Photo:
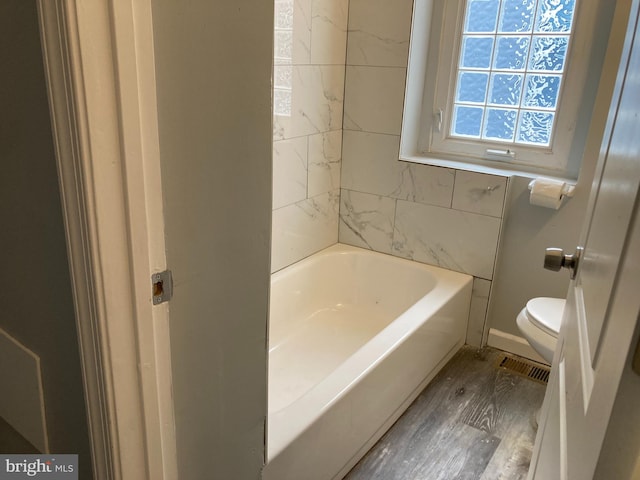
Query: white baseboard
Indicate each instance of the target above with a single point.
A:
(22, 401)
(513, 344)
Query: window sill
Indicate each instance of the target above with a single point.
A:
(487, 167)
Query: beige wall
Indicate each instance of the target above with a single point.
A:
(213, 68)
(36, 305)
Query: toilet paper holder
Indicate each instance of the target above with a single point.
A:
(567, 189)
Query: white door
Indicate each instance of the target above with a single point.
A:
(604, 299)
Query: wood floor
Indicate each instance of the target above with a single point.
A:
(473, 422)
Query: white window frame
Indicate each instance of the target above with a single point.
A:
(431, 78)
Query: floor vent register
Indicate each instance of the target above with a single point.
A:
(526, 368)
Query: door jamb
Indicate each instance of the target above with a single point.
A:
(100, 74)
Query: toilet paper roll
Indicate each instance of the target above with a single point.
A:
(547, 192)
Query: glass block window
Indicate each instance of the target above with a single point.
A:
(510, 70)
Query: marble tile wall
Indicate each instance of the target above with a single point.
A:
(441, 216)
(341, 64)
(309, 74)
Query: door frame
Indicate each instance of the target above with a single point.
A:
(99, 66)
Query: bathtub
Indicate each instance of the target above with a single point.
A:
(354, 337)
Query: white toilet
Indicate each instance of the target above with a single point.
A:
(539, 323)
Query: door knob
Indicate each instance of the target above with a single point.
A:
(555, 259)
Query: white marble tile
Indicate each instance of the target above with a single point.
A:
(292, 32)
(428, 184)
(329, 31)
(379, 32)
(478, 312)
(289, 171)
(366, 220)
(316, 100)
(479, 193)
(461, 241)
(304, 228)
(374, 99)
(371, 165)
(325, 151)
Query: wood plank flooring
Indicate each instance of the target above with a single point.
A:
(472, 422)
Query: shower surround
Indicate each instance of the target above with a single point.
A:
(309, 72)
(347, 185)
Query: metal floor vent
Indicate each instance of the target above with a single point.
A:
(534, 371)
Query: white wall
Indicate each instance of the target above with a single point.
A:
(309, 56)
(36, 305)
(213, 67)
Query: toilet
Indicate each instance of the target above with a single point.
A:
(539, 321)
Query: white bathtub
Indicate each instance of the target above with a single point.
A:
(354, 337)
